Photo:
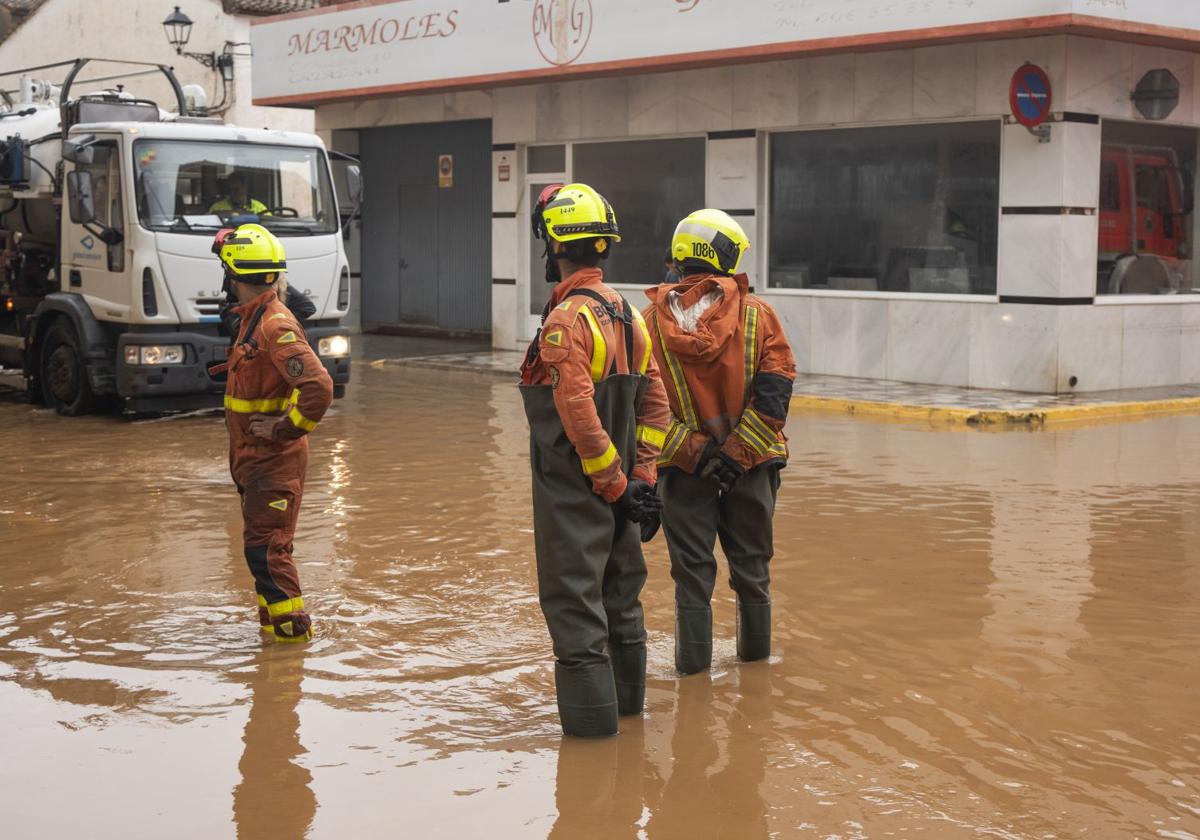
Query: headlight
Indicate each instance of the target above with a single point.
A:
(154, 354)
(334, 345)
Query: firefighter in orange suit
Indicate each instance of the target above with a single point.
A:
(728, 371)
(597, 416)
(276, 392)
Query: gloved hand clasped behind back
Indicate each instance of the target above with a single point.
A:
(718, 467)
(639, 501)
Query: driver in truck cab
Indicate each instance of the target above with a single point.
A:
(277, 390)
(238, 202)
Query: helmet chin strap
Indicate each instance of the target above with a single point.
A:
(553, 273)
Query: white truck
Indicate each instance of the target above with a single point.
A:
(109, 291)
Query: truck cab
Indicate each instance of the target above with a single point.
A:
(144, 205)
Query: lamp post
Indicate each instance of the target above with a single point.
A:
(178, 28)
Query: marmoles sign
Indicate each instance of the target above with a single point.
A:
(413, 46)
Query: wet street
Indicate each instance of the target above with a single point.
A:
(978, 634)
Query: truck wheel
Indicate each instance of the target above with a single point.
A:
(64, 378)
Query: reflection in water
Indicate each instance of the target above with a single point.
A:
(978, 634)
(274, 797)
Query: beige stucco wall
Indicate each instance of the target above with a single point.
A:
(132, 30)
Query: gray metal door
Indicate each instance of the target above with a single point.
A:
(418, 238)
(427, 249)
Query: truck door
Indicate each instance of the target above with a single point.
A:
(91, 267)
(1159, 228)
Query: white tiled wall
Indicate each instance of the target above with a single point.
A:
(980, 343)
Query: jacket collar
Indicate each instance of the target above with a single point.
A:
(716, 327)
(585, 278)
(245, 309)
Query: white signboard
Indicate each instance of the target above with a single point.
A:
(374, 48)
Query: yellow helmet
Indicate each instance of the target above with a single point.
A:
(251, 253)
(710, 239)
(575, 211)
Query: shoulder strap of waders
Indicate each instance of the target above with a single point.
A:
(625, 316)
(247, 338)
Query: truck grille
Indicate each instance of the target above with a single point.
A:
(207, 306)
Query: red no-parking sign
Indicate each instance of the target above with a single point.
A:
(1030, 96)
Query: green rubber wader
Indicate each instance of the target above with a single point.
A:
(589, 558)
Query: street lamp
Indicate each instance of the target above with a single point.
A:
(178, 27)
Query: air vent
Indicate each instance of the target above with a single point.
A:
(149, 296)
(343, 298)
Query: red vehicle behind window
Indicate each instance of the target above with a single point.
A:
(1145, 219)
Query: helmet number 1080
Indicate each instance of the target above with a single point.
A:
(703, 249)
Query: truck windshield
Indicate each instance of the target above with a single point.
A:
(196, 187)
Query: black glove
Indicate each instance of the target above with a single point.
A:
(723, 470)
(650, 526)
(639, 501)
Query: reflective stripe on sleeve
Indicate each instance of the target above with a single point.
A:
(652, 436)
(753, 440)
(239, 406)
(674, 439)
(591, 466)
(682, 394)
(752, 418)
(300, 421)
(599, 347)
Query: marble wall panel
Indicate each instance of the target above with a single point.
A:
(1089, 348)
(1098, 77)
(883, 86)
(768, 95)
(826, 90)
(514, 117)
(1189, 361)
(732, 173)
(559, 111)
(1152, 346)
(1015, 347)
(604, 111)
(849, 337)
(795, 313)
(944, 81)
(504, 317)
(654, 104)
(705, 100)
(929, 341)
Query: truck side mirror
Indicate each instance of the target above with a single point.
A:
(354, 183)
(1189, 192)
(81, 202)
(79, 151)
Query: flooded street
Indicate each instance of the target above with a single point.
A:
(977, 634)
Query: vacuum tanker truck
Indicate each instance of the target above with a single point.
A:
(109, 291)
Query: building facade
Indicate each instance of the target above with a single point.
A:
(904, 223)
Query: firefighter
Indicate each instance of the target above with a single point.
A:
(597, 415)
(728, 374)
(276, 391)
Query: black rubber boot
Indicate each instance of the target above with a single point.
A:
(587, 700)
(629, 672)
(753, 631)
(693, 639)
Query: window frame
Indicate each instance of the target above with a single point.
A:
(762, 262)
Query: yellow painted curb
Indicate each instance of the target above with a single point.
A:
(949, 415)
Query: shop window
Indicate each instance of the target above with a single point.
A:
(651, 184)
(895, 209)
(1147, 227)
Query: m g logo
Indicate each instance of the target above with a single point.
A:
(561, 29)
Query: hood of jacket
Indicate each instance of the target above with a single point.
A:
(717, 326)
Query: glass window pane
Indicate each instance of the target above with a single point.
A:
(1147, 183)
(547, 158)
(898, 209)
(651, 184)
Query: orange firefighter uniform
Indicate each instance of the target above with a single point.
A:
(729, 381)
(582, 344)
(273, 372)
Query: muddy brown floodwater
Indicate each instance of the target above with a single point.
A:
(977, 634)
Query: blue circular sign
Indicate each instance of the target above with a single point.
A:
(1030, 95)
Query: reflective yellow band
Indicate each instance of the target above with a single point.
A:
(599, 347)
(283, 607)
(754, 440)
(238, 406)
(751, 330)
(753, 419)
(300, 421)
(652, 436)
(676, 435)
(591, 466)
(641, 322)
